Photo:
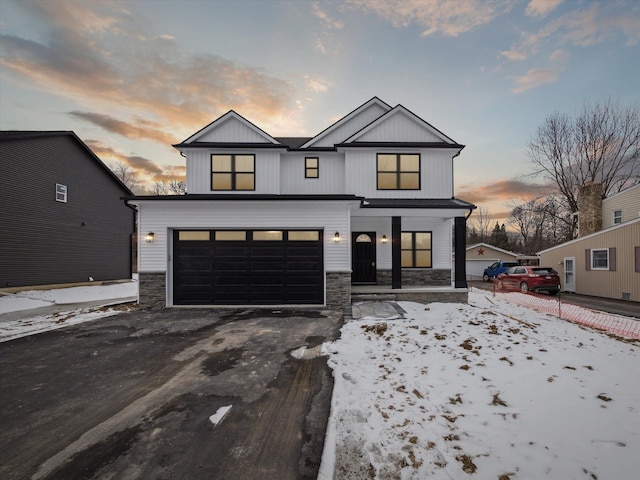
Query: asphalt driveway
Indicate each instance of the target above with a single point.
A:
(130, 396)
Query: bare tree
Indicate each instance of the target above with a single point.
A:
(601, 144)
(126, 175)
(480, 225)
(173, 187)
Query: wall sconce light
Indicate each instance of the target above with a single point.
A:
(336, 237)
(384, 239)
(150, 237)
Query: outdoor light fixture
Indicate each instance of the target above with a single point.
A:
(384, 239)
(150, 237)
(336, 237)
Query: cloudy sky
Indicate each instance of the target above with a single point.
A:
(132, 77)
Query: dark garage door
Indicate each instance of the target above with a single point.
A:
(248, 267)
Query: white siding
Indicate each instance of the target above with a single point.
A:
(330, 180)
(382, 226)
(162, 216)
(233, 130)
(267, 171)
(436, 174)
(358, 122)
(399, 128)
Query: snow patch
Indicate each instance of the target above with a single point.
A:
(217, 417)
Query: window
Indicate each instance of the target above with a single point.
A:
(228, 235)
(311, 167)
(61, 193)
(600, 259)
(415, 249)
(233, 172)
(617, 217)
(304, 236)
(398, 171)
(194, 236)
(272, 235)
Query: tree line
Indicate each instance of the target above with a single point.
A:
(599, 144)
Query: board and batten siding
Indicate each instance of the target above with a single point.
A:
(161, 217)
(330, 179)
(602, 283)
(43, 241)
(267, 167)
(628, 201)
(232, 130)
(435, 169)
(399, 128)
(341, 132)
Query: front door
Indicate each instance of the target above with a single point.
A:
(363, 257)
(569, 274)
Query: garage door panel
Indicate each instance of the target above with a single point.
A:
(248, 271)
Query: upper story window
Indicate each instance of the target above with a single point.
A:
(415, 249)
(600, 259)
(61, 193)
(398, 171)
(233, 172)
(311, 167)
(617, 217)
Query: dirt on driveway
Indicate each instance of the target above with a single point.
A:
(131, 396)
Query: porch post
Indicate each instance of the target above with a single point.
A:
(460, 239)
(396, 252)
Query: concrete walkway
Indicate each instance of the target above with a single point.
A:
(385, 310)
(61, 307)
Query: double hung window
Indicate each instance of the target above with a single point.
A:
(311, 167)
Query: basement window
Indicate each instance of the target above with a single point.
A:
(61, 193)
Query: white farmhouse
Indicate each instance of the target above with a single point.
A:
(298, 221)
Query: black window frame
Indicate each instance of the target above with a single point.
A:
(413, 248)
(398, 171)
(233, 172)
(308, 169)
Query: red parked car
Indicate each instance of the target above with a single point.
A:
(525, 279)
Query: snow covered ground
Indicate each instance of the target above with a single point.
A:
(32, 299)
(489, 390)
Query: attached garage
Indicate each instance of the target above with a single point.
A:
(248, 267)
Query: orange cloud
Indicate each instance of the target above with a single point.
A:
(503, 190)
(141, 129)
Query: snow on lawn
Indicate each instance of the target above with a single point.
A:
(32, 324)
(488, 390)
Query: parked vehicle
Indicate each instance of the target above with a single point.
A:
(496, 269)
(525, 279)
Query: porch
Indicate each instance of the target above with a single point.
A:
(420, 294)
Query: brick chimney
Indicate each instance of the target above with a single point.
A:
(589, 208)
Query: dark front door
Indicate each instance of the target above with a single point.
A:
(363, 255)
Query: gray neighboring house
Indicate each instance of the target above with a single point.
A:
(62, 219)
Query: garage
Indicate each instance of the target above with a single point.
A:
(475, 268)
(248, 267)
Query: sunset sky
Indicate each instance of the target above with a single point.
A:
(132, 77)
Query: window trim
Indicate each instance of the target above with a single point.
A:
(593, 251)
(63, 191)
(233, 172)
(398, 171)
(308, 169)
(617, 217)
(413, 249)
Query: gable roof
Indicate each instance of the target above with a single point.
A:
(17, 135)
(492, 247)
(374, 102)
(415, 129)
(206, 135)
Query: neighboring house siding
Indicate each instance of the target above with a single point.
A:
(242, 215)
(611, 284)
(267, 172)
(43, 241)
(628, 201)
(436, 174)
(330, 180)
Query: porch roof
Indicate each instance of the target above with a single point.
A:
(416, 203)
